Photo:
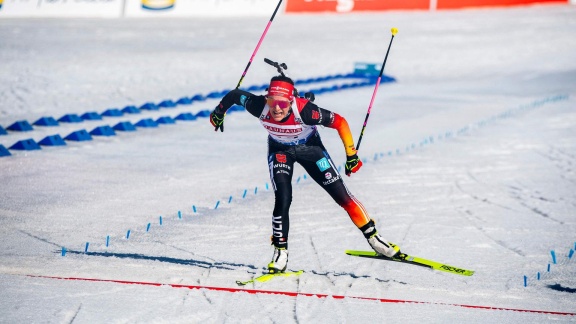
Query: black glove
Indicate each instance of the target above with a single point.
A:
(353, 164)
(217, 120)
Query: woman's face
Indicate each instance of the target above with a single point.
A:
(279, 107)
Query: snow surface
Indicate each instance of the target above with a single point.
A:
(469, 159)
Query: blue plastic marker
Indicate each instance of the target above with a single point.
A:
(128, 234)
(148, 227)
(548, 267)
(63, 251)
(160, 220)
(86, 248)
(217, 203)
(256, 190)
(525, 281)
(553, 256)
(180, 214)
(245, 191)
(107, 240)
(266, 185)
(194, 209)
(570, 254)
(538, 275)
(298, 180)
(230, 199)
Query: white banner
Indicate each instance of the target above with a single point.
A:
(199, 8)
(136, 8)
(61, 8)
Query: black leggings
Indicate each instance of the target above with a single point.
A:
(318, 164)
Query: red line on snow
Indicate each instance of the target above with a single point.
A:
(296, 294)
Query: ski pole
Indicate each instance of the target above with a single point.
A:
(259, 43)
(394, 31)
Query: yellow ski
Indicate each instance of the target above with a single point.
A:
(270, 276)
(405, 258)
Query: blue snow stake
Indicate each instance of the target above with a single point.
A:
(160, 220)
(194, 209)
(230, 199)
(256, 190)
(538, 275)
(266, 185)
(167, 104)
(52, 140)
(113, 112)
(548, 267)
(203, 113)
(149, 106)
(25, 145)
(70, 118)
(103, 131)
(245, 191)
(184, 101)
(63, 251)
(185, 116)
(91, 116)
(198, 97)
(131, 110)
(180, 214)
(125, 127)
(86, 248)
(79, 136)
(20, 126)
(553, 256)
(107, 240)
(148, 227)
(217, 203)
(46, 121)
(298, 180)
(525, 281)
(147, 122)
(128, 234)
(165, 120)
(570, 254)
(4, 151)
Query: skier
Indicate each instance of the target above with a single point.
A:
(291, 123)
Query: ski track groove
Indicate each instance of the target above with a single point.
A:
(557, 156)
(483, 200)
(75, 314)
(522, 201)
(467, 214)
(320, 263)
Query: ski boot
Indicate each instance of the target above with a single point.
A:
(378, 244)
(279, 260)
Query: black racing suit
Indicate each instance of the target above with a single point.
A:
(311, 155)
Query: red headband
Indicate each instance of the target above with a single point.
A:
(281, 89)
